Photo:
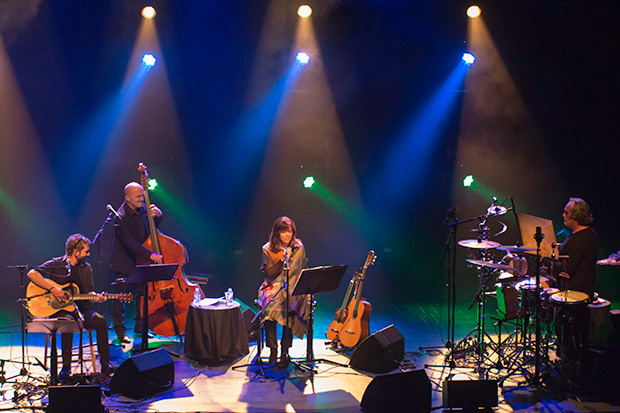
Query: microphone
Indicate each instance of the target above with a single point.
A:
(286, 264)
(111, 209)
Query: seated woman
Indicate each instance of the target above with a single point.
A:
(283, 246)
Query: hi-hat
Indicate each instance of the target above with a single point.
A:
(515, 248)
(479, 243)
(497, 210)
(495, 265)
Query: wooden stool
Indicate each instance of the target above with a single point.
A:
(83, 359)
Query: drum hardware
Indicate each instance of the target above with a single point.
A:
(494, 265)
(540, 357)
(480, 243)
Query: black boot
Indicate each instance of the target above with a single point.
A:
(285, 359)
(273, 356)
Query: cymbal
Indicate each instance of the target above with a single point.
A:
(491, 264)
(497, 210)
(515, 248)
(479, 244)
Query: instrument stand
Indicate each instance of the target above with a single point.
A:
(313, 281)
(449, 252)
(143, 274)
(94, 241)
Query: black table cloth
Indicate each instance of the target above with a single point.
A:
(215, 333)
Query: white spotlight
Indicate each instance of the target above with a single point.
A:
(473, 11)
(304, 11)
(148, 12)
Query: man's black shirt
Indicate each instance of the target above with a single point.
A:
(130, 232)
(582, 250)
(81, 275)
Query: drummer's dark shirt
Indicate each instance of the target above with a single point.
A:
(582, 250)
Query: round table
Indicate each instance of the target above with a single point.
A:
(215, 333)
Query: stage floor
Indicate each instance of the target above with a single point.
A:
(200, 388)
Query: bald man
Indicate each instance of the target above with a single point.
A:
(131, 230)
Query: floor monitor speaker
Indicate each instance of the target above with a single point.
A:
(380, 352)
(144, 375)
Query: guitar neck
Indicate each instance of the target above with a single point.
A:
(91, 297)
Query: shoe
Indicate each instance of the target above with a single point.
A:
(126, 344)
(65, 372)
(285, 360)
(273, 356)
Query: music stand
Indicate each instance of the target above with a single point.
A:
(144, 274)
(313, 281)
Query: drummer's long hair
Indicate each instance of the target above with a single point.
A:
(580, 212)
(280, 225)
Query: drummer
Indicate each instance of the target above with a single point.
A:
(578, 272)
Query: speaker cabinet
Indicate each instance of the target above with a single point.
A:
(469, 393)
(399, 392)
(380, 352)
(86, 399)
(144, 375)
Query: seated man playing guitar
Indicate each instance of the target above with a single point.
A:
(56, 273)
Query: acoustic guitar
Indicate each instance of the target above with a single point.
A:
(42, 303)
(334, 328)
(355, 327)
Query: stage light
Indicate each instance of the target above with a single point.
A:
(468, 181)
(149, 60)
(469, 58)
(304, 11)
(148, 12)
(308, 182)
(152, 184)
(473, 11)
(303, 58)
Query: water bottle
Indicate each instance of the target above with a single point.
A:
(229, 297)
(197, 296)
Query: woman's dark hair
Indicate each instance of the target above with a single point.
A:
(280, 225)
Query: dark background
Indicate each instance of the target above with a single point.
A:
(383, 61)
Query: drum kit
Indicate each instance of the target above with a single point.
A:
(543, 316)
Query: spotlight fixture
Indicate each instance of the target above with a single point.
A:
(473, 11)
(308, 182)
(468, 181)
(303, 58)
(149, 60)
(469, 58)
(152, 184)
(304, 11)
(148, 12)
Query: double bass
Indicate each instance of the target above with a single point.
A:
(169, 300)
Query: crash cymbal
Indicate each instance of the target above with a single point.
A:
(515, 248)
(491, 264)
(479, 244)
(497, 210)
